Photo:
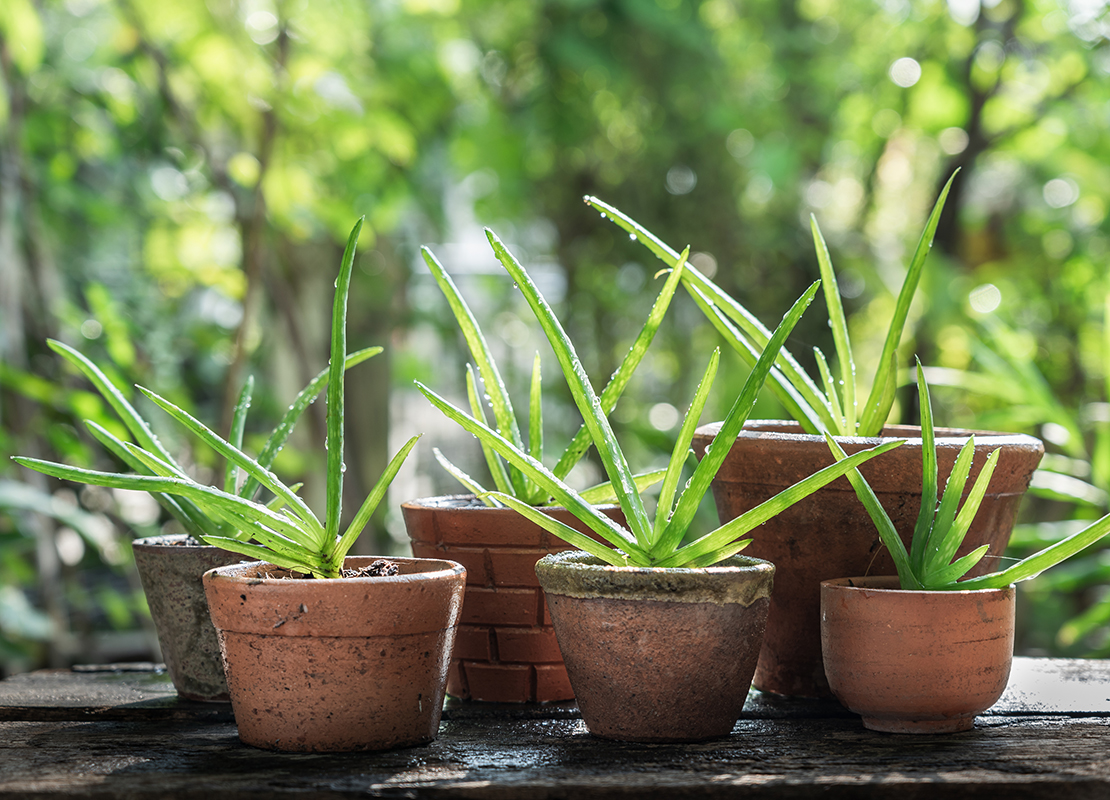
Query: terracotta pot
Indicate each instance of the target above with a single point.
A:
(506, 649)
(170, 569)
(338, 664)
(915, 661)
(658, 655)
(829, 534)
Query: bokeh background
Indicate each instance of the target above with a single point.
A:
(177, 180)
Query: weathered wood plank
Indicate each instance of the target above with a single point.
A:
(143, 691)
(1027, 758)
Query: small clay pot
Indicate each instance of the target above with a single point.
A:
(829, 534)
(170, 569)
(916, 661)
(330, 665)
(658, 655)
(506, 650)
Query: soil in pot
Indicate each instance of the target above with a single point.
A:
(170, 569)
(337, 665)
(506, 650)
(658, 655)
(916, 661)
(829, 534)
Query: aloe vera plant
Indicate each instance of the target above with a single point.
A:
(829, 404)
(508, 478)
(940, 530)
(283, 531)
(645, 542)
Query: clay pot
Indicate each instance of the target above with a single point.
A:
(658, 655)
(170, 569)
(916, 661)
(829, 534)
(506, 649)
(329, 665)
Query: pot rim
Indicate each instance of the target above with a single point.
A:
(872, 583)
(465, 503)
(769, 429)
(167, 539)
(442, 570)
(575, 573)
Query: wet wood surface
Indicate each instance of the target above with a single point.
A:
(122, 732)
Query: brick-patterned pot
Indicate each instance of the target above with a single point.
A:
(829, 534)
(336, 664)
(506, 650)
(170, 569)
(916, 661)
(658, 655)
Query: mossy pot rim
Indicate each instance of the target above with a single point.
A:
(574, 573)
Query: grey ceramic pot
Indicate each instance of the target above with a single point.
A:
(170, 568)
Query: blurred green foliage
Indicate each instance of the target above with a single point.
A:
(176, 179)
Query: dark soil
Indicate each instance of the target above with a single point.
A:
(378, 568)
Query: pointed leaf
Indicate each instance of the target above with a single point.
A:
(608, 449)
(839, 330)
(878, 408)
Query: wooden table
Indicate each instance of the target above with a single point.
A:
(122, 732)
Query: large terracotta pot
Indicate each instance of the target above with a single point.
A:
(506, 649)
(327, 665)
(916, 661)
(829, 534)
(658, 655)
(170, 569)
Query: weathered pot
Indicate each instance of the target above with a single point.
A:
(829, 534)
(658, 655)
(916, 661)
(170, 569)
(342, 664)
(506, 649)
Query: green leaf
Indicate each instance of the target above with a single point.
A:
(608, 449)
(190, 517)
(264, 477)
(464, 478)
(878, 406)
(887, 532)
(503, 415)
(561, 493)
(718, 540)
(335, 399)
(603, 493)
(126, 412)
(950, 573)
(928, 477)
(1037, 563)
(717, 451)
(812, 420)
(288, 422)
(620, 378)
(839, 330)
(334, 558)
(564, 532)
(789, 371)
(496, 466)
(235, 435)
(841, 428)
(665, 507)
(939, 541)
(955, 536)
